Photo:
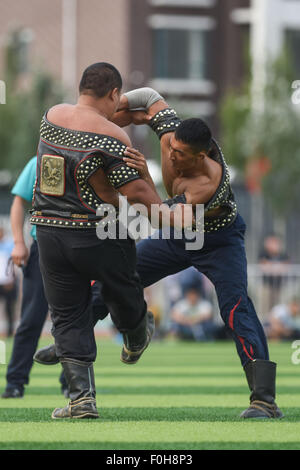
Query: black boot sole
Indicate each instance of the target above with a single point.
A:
(83, 416)
(45, 363)
(132, 357)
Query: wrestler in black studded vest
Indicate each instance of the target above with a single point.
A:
(66, 160)
(167, 121)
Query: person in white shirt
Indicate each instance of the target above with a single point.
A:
(284, 321)
(192, 317)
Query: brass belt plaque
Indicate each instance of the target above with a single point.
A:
(53, 175)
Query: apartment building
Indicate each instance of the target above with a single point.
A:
(65, 36)
(190, 50)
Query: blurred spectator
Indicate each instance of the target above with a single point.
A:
(191, 278)
(192, 318)
(176, 285)
(274, 265)
(284, 321)
(8, 287)
(151, 297)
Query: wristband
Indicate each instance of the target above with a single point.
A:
(142, 98)
(165, 121)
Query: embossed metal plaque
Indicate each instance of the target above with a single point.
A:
(53, 175)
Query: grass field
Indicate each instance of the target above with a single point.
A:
(180, 396)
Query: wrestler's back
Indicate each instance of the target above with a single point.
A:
(82, 119)
(85, 119)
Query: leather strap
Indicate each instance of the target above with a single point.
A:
(267, 408)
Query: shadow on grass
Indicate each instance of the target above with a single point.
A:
(166, 390)
(195, 414)
(137, 374)
(118, 446)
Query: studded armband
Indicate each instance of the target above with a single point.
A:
(165, 121)
(122, 174)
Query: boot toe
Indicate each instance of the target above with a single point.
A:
(46, 356)
(84, 408)
(261, 410)
(132, 357)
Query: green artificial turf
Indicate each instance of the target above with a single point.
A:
(179, 396)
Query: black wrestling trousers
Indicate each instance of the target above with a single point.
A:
(69, 261)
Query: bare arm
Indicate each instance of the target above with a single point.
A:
(126, 117)
(140, 192)
(160, 104)
(144, 191)
(168, 172)
(159, 214)
(136, 160)
(20, 252)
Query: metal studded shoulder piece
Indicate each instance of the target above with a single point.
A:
(80, 140)
(67, 158)
(165, 121)
(111, 149)
(121, 174)
(222, 199)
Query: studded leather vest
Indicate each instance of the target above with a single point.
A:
(223, 197)
(66, 160)
(167, 121)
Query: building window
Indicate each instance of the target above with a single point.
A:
(183, 3)
(293, 44)
(180, 54)
(181, 48)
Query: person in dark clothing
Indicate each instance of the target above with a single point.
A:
(80, 169)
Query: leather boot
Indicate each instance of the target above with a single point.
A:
(137, 340)
(81, 383)
(261, 377)
(46, 355)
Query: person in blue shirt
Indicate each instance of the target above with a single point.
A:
(34, 307)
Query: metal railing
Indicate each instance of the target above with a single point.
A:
(267, 287)
(273, 284)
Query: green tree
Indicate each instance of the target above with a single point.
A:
(21, 115)
(273, 133)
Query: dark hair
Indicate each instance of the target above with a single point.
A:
(195, 133)
(100, 78)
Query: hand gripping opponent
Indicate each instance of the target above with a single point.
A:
(164, 121)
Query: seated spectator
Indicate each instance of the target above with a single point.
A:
(284, 321)
(191, 278)
(274, 264)
(192, 318)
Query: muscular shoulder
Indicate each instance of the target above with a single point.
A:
(115, 131)
(69, 116)
(58, 111)
(201, 188)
